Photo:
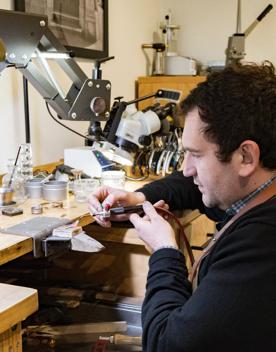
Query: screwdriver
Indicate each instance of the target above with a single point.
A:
(120, 210)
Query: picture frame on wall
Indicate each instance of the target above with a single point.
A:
(80, 25)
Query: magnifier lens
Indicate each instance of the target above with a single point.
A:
(98, 105)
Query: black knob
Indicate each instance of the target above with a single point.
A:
(118, 98)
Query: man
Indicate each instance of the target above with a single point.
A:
(229, 173)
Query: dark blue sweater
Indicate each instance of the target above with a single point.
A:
(234, 307)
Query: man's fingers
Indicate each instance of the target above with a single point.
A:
(102, 222)
(95, 199)
(146, 218)
(161, 204)
(135, 219)
(109, 201)
(149, 210)
(113, 198)
(94, 203)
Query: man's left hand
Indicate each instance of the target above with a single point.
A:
(153, 229)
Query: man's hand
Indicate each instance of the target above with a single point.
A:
(153, 229)
(106, 197)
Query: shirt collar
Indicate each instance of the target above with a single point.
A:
(237, 206)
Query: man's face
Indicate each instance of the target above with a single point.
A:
(218, 182)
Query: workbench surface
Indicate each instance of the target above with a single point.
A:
(16, 303)
(13, 246)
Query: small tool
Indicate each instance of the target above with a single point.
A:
(120, 339)
(10, 211)
(119, 210)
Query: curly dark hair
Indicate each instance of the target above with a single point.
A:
(238, 103)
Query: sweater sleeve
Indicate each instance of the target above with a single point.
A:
(180, 193)
(227, 305)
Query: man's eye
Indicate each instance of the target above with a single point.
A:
(192, 154)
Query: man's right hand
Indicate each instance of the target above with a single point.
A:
(106, 197)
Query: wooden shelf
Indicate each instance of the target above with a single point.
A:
(150, 84)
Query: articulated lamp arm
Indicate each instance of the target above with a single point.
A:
(25, 36)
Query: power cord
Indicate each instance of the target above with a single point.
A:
(142, 178)
(90, 138)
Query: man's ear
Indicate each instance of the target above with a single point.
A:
(249, 157)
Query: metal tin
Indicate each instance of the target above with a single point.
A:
(54, 191)
(33, 188)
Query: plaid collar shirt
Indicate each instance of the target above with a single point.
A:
(237, 206)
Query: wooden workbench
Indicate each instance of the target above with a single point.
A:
(132, 259)
(121, 268)
(16, 303)
(13, 246)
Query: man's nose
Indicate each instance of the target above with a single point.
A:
(188, 166)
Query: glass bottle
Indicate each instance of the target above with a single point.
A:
(15, 180)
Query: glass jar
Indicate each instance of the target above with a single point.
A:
(15, 180)
(113, 178)
(83, 187)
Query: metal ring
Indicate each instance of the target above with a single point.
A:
(168, 163)
(160, 162)
(155, 162)
(151, 157)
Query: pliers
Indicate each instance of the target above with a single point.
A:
(119, 210)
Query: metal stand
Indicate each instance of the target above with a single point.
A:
(26, 110)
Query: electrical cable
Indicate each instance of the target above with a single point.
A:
(138, 178)
(90, 138)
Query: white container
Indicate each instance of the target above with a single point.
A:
(180, 65)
